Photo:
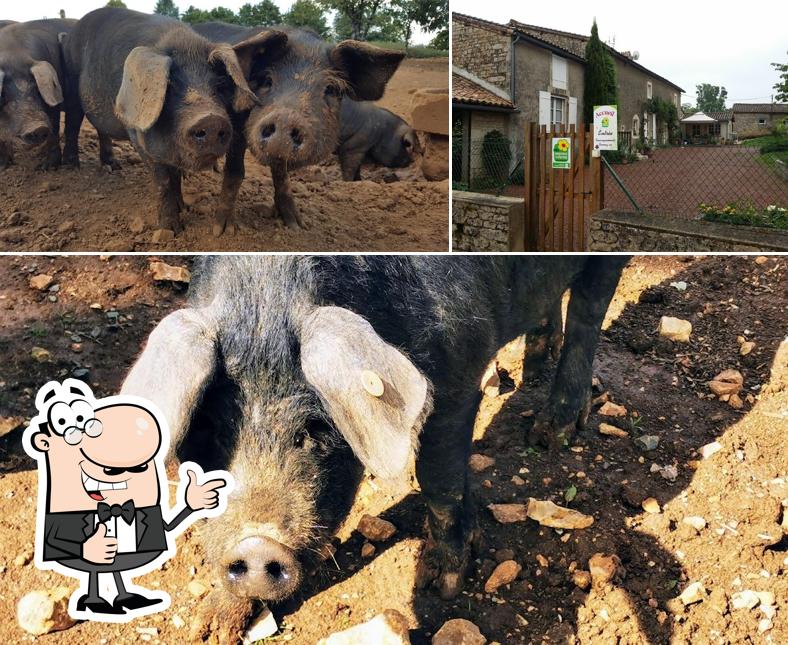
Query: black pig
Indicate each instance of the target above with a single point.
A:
(152, 80)
(31, 90)
(294, 372)
(300, 88)
(373, 133)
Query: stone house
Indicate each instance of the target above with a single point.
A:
(708, 128)
(758, 119)
(541, 73)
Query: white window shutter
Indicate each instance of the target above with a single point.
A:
(544, 108)
(572, 111)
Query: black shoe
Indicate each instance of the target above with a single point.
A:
(135, 601)
(99, 606)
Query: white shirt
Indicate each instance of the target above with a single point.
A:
(125, 533)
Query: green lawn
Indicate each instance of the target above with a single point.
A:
(414, 51)
(769, 158)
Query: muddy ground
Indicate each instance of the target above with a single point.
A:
(738, 491)
(91, 209)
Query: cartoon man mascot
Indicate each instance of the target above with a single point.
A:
(103, 499)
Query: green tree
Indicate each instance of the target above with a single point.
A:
(360, 14)
(262, 14)
(688, 109)
(600, 76)
(119, 4)
(193, 15)
(222, 14)
(404, 14)
(441, 40)
(782, 85)
(167, 8)
(306, 13)
(382, 27)
(711, 98)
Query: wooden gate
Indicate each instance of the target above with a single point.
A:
(559, 203)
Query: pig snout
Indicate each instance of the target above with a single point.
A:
(260, 567)
(208, 136)
(35, 135)
(281, 135)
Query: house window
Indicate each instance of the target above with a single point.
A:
(560, 73)
(558, 110)
(636, 126)
(696, 130)
(645, 126)
(761, 121)
(649, 90)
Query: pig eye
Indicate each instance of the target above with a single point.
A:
(266, 82)
(332, 90)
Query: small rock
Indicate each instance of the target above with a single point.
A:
(263, 627)
(675, 329)
(163, 272)
(66, 227)
(162, 235)
(148, 631)
(501, 555)
(764, 625)
(766, 597)
(746, 347)
(718, 601)
(178, 622)
(761, 259)
(388, 628)
(41, 282)
(680, 286)
(647, 442)
(610, 409)
(375, 529)
(669, 472)
(40, 354)
(611, 430)
(746, 599)
(491, 382)
(735, 402)
(694, 592)
(508, 513)
(604, 568)
(651, 505)
(42, 612)
(695, 521)
(549, 514)
(710, 449)
(137, 225)
(727, 382)
(479, 463)
(367, 550)
(517, 480)
(458, 631)
(197, 588)
(504, 574)
(582, 579)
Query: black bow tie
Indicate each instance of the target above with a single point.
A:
(105, 511)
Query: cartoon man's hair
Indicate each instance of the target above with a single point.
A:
(68, 392)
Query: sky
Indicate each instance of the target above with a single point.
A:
(35, 9)
(687, 43)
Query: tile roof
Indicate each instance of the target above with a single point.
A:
(725, 115)
(760, 108)
(467, 92)
(484, 24)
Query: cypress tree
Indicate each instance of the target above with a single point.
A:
(600, 76)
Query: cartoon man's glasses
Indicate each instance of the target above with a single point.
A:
(73, 420)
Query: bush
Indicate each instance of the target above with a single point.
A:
(775, 146)
(414, 51)
(746, 214)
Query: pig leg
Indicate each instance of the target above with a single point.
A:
(221, 618)
(106, 155)
(53, 155)
(168, 183)
(570, 398)
(74, 116)
(441, 469)
(351, 166)
(544, 341)
(283, 197)
(234, 172)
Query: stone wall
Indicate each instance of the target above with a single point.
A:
(635, 232)
(483, 52)
(487, 223)
(633, 92)
(747, 125)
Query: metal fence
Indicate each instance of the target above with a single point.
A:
(722, 182)
(492, 165)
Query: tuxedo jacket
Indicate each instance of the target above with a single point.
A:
(64, 533)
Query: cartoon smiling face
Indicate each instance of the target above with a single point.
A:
(106, 455)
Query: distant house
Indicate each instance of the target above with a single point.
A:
(757, 119)
(517, 73)
(708, 127)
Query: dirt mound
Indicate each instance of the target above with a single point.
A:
(91, 209)
(738, 491)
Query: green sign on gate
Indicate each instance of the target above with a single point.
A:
(562, 153)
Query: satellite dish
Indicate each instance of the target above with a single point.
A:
(635, 55)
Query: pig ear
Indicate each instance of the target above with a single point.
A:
(177, 364)
(376, 397)
(146, 74)
(366, 68)
(269, 44)
(48, 85)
